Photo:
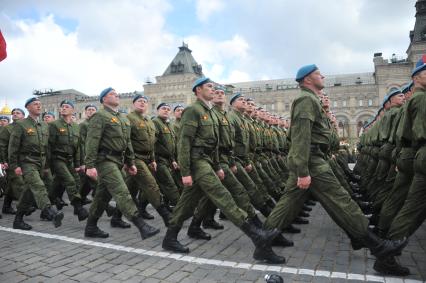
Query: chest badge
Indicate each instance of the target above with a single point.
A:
(204, 117)
(62, 130)
(166, 130)
(114, 120)
(30, 131)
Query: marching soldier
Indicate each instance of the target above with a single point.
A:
(108, 150)
(28, 146)
(201, 174)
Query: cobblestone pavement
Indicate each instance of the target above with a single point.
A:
(322, 253)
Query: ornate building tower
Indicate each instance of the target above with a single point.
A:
(174, 86)
(417, 45)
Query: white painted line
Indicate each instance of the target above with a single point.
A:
(219, 263)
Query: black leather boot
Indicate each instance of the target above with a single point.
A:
(170, 242)
(256, 222)
(164, 213)
(145, 230)
(389, 266)
(110, 210)
(281, 241)
(303, 214)
(7, 206)
(92, 230)
(265, 210)
(117, 221)
(310, 202)
(270, 203)
(211, 223)
(30, 211)
(306, 208)
(222, 216)
(19, 223)
(51, 214)
(267, 254)
(300, 220)
(292, 229)
(381, 248)
(259, 236)
(195, 231)
(142, 210)
(79, 210)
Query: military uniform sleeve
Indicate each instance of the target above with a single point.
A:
(160, 149)
(82, 142)
(14, 146)
(301, 128)
(77, 145)
(94, 134)
(4, 144)
(189, 125)
(129, 156)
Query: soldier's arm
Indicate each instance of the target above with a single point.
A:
(189, 125)
(130, 153)
(301, 128)
(4, 144)
(51, 142)
(160, 149)
(77, 149)
(82, 141)
(14, 146)
(94, 135)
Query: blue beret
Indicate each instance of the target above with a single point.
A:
(237, 95)
(385, 99)
(199, 82)
(178, 106)
(220, 87)
(17, 109)
(122, 111)
(249, 99)
(305, 71)
(163, 104)
(406, 88)
(5, 118)
(393, 92)
(31, 100)
(70, 103)
(104, 92)
(90, 105)
(420, 66)
(47, 113)
(140, 96)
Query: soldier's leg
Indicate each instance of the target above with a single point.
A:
(68, 179)
(32, 178)
(167, 183)
(270, 185)
(15, 187)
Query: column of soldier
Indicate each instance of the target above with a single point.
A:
(228, 155)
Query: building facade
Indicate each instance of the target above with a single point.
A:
(355, 98)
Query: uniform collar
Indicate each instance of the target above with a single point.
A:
(206, 105)
(110, 110)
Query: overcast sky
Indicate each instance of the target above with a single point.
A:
(89, 45)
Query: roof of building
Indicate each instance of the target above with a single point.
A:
(183, 63)
(5, 110)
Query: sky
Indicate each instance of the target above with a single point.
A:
(89, 45)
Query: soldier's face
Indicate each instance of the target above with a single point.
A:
(408, 95)
(141, 105)
(219, 97)
(112, 99)
(164, 112)
(90, 111)
(48, 118)
(398, 99)
(206, 91)
(240, 103)
(34, 108)
(178, 112)
(250, 106)
(325, 101)
(17, 115)
(420, 79)
(317, 79)
(66, 110)
(4, 122)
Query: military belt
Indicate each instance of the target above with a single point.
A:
(34, 154)
(63, 155)
(198, 150)
(226, 151)
(318, 147)
(105, 151)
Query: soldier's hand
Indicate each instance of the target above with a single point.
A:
(248, 168)
(234, 169)
(220, 174)
(175, 165)
(153, 166)
(396, 168)
(83, 168)
(18, 171)
(132, 170)
(187, 181)
(304, 182)
(92, 173)
(5, 166)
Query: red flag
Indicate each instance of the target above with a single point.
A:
(3, 53)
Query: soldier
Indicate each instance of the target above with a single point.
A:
(108, 150)
(28, 146)
(413, 133)
(15, 183)
(165, 154)
(177, 111)
(87, 184)
(201, 174)
(310, 173)
(143, 140)
(48, 117)
(65, 156)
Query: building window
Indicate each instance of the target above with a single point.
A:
(360, 102)
(334, 103)
(272, 106)
(370, 102)
(344, 103)
(287, 107)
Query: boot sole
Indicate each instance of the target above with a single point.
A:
(96, 236)
(183, 251)
(21, 228)
(120, 226)
(383, 270)
(395, 251)
(150, 234)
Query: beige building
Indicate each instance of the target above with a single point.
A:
(355, 98)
